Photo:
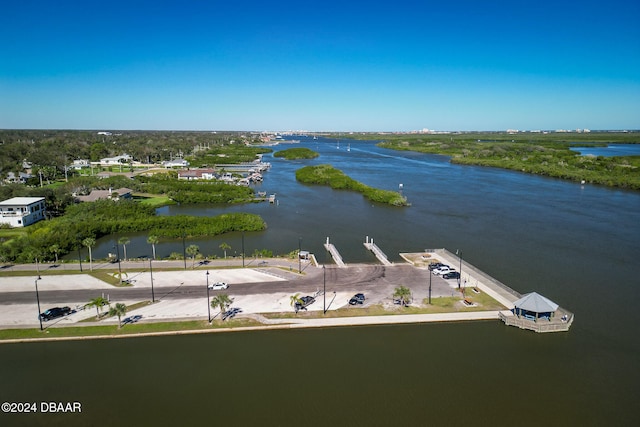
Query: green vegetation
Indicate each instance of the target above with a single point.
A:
(130, 329)
(542, 154)
(105, 217)
(403, 294)
(119, 310)
(328, 175)
(296, 153)
(222, 302)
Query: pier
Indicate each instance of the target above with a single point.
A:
(377, 251)
(559, 320)
(334, 254)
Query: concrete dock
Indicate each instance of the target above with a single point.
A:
(334, 254)
(382, 257)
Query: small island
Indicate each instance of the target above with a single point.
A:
(336, 179)
(296, 153)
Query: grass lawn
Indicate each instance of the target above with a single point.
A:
(130, 329)
(438, 305)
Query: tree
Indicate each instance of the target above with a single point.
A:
(193, 250)
(403, 294)
(124, 241)
(224, 246)
(296, 301)
(153, 241)
(55, 249)
(222, 302)
(89, 242)
(119, 310)
(98, 303)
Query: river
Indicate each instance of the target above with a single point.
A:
(575, 244)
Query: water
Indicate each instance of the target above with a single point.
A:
(610, 150)
(577, 245)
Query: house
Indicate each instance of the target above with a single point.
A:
(120, 193)
(22, 211)
(79, 164)
(176, 163)
(118, 160)
(197, 174)
(22, 177)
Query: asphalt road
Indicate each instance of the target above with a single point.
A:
(376, 281)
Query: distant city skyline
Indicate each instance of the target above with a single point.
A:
(320, 65)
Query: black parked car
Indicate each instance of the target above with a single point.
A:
(451, 275)
(54, 313)
(304, 302)
(357, 299)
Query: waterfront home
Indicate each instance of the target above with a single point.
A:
(118, 160)
(197, 174)
(176, 163)
(120, 193)
(22, 211)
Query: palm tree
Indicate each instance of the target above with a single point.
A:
(153, 241)
(124, 241)
(89, 242)
(119, 310)
(403, 294)
(120, 275)
(221, 301)
(55, 249)
(295, 301)
(224, 246)
(98, 303)
(193, 250)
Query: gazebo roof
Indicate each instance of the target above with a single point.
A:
(536, 303)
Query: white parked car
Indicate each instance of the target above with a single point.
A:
(218, 285)
(442, 270)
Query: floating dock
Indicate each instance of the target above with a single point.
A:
(377, 251)
(334, 254)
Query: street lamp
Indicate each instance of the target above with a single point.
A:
(430, 287)
(324, 289)
(80, 256)
(119, 265)
(38, 300)
(299, 249)
(243, 249)
(208, 303)
(459, 253)
(153, 297)
(184, 252)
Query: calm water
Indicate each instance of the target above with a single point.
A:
(577, 245)
(610, 150)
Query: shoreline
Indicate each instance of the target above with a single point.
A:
(473, 278)
(281, 324)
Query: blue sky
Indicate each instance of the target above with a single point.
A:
(320, 65)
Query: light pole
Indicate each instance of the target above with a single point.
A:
(243, 249)
(80, 256)
(299, 249)
(208, 303)
(459, 253)
(118, 256)
(324, 289)
(430, 287)
(38, 300)
(184, 252)
(153, 297)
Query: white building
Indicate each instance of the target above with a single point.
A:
(118, 160)
(22, 211)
